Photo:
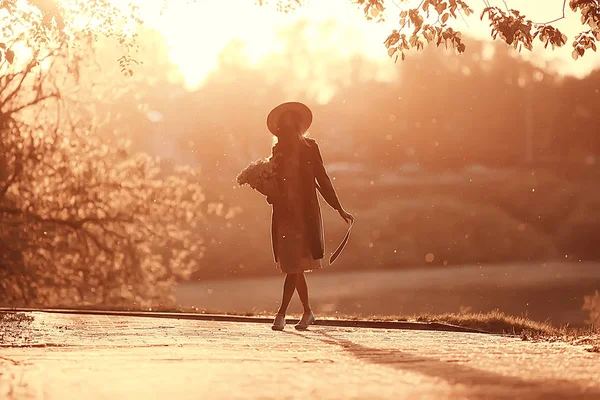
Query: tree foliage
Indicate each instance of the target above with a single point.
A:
(82, 218)
(429, 22)
(35, 25)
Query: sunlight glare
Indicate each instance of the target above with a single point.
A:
(198, 32)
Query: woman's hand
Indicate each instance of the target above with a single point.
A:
(346, 216)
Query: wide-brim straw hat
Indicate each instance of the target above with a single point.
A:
(302, 111)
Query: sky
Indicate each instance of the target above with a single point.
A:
(197, 33)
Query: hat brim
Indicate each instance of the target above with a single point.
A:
(302, 110)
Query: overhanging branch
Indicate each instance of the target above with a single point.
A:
(564, 7)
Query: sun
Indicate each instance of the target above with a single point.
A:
(196, 32)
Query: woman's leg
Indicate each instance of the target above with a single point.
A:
(289, 287)
(302, 288)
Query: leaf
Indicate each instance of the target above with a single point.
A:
(581, 51)
(391, 51)
(10, 56)
(445, 18)
(3, 46)
(374, 11)
(575, 55)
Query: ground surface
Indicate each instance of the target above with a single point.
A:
(101, 357)
(552, 291)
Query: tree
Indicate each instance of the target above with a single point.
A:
(509, 25)
(82, 218)
(428, 22)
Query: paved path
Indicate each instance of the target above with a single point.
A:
(101, 357)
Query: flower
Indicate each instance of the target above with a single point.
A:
(260, 175)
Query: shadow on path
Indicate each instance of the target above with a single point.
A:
(478, 383)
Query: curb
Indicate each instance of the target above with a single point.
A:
(343, 323)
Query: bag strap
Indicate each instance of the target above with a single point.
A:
(339, 249)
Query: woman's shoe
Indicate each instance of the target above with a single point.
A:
(306, 321)
(279, 322)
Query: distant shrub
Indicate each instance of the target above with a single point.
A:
(592, 304)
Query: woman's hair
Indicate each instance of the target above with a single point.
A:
(302, 138)
(294, 119)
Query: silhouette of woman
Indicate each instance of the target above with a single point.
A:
(297, 228)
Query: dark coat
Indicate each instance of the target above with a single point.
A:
(314, 177)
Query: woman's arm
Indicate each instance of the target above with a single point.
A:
(324, 182)
(326, 187)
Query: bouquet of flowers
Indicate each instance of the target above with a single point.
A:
(261, 175)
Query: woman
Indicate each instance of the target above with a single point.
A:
(297, 230)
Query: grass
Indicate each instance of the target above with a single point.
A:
(13, 325)
(14, 319)
(494, 322)
(527, 329)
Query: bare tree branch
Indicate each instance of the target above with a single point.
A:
(564, 7)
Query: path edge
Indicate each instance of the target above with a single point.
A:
(342, 323)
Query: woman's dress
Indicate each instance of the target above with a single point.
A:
(294, 255)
